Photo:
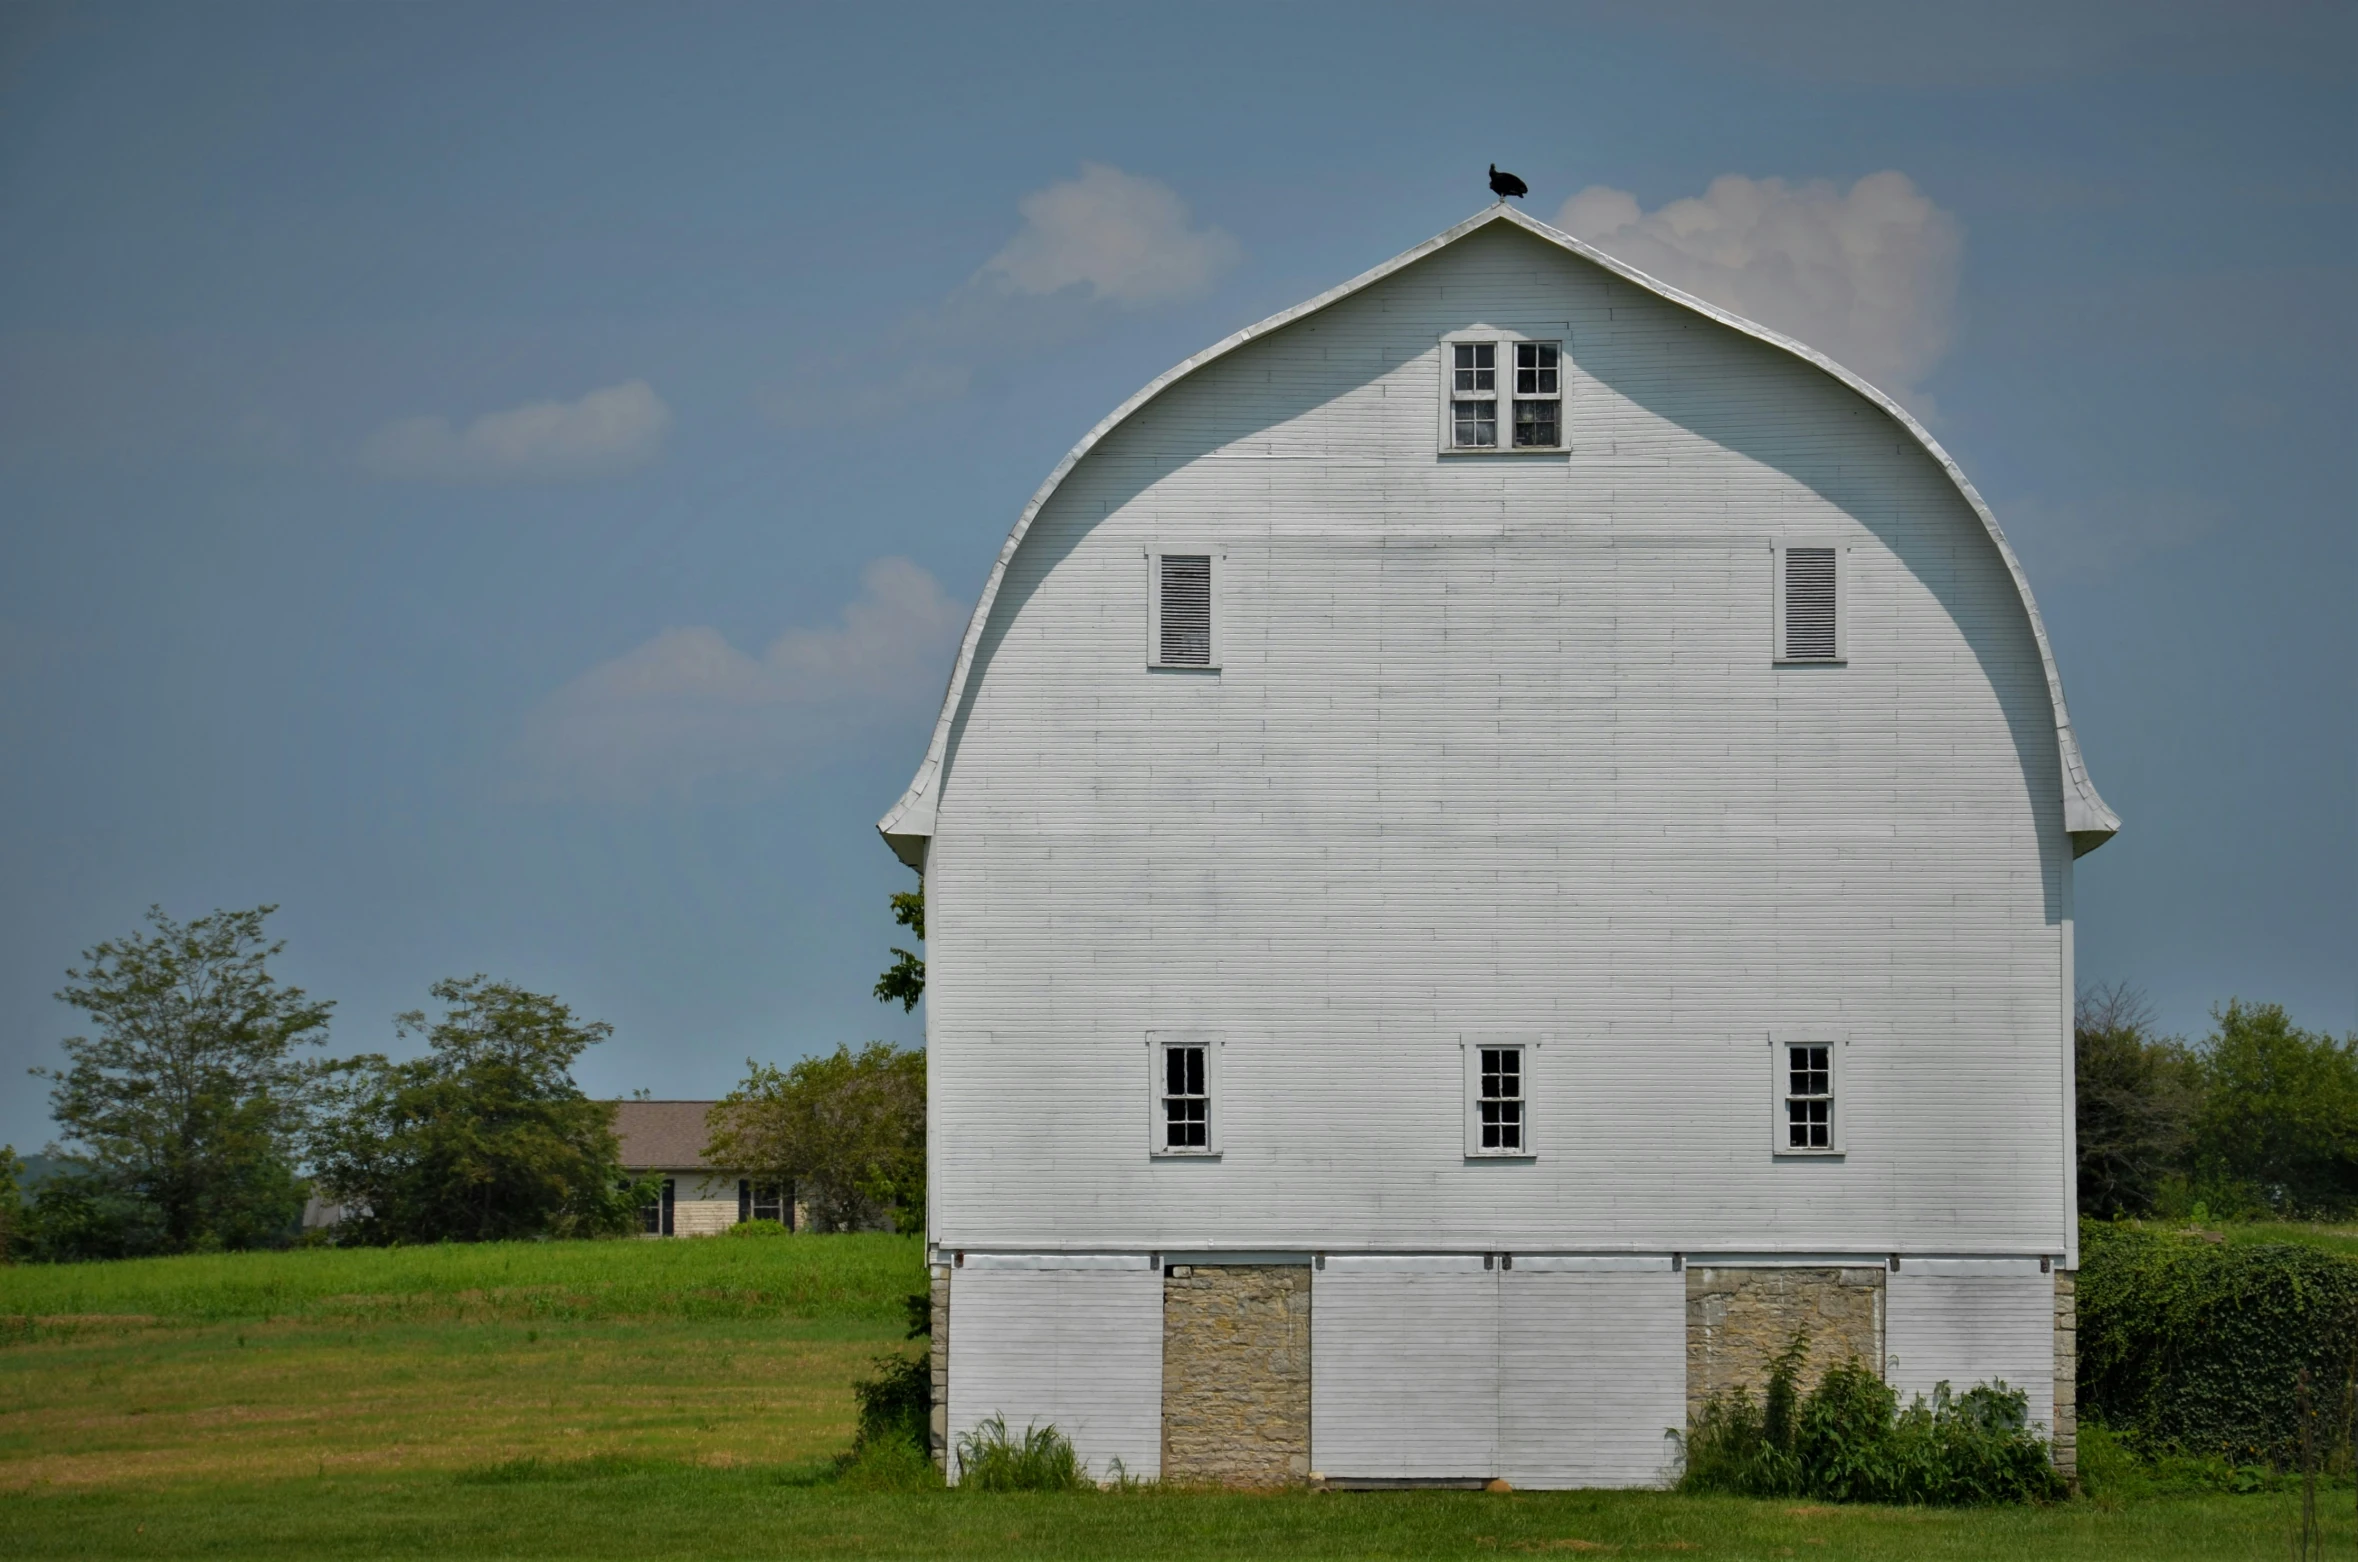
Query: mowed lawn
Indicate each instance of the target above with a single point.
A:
(686, 1399)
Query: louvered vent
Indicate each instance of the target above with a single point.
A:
(1187, 610)
(1809, 604)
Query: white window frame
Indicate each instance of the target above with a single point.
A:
(1471, 1045)
(1159, 1042)
(1837, 1047)
(1841, 603)
(1505, 340)
(1154, 608)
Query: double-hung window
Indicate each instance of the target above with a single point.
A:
(1500, 1102)
(1504, 393)
(1184, 1089)
(1807, 1113)
(1539, 395)
(1473, 395)
(1498, 1095)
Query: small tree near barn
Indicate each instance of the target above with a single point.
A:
(848, 1130)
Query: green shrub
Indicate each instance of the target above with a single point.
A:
(896, 1405)
(758, 1228)
(1848, 1440)
(991, 1458)
(890, 1465)
(2194, 1348)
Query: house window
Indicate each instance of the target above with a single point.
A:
(1500, 1104)
(1533, 391)
(765, 1201)
(1808, 1080)
(1809, 604)
(1182, 595)
(1186, 1082)
(1498, 1095)
(655, 1216)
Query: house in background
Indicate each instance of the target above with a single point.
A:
(666, 1139)
(1499, 844)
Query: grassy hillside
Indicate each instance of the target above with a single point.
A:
(848, 1278)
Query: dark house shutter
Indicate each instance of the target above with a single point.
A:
(1187, 610)
(1809, 604)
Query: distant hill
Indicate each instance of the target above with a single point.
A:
(39, 1169)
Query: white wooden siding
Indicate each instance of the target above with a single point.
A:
(1969, 1321)
(1592, 1371)
(1499, 744)
(1404, 1369)
(1077, 1347)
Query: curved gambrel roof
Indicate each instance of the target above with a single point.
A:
(910, 823)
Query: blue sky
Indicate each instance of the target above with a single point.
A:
(502, 482)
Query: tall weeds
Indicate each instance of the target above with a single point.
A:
(1848, 1440)
(991, 1458)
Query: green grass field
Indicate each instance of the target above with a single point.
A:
(686, 1399)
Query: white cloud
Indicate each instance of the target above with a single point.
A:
(1867, 277)
(1118, 237)
(2092, 540)
(688, 707)
(1091, 246)
(607, 430)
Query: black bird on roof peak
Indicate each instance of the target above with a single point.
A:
(1504, 185)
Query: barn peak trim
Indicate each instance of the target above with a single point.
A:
(910, 823)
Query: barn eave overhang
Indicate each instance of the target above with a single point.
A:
(908, 827)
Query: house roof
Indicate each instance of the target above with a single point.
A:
(663, 1135)
(909, 824)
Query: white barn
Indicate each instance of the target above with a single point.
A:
(1498, 843)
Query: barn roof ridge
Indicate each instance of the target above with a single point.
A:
(910, 822)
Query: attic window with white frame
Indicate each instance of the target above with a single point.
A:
(1182, 620)
(1808, 1120)
(1533, 393)
(1809, 605)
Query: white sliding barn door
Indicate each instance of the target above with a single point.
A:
(1592, 1370)
(1404, 1369)
(1073, 1342)
(1965, 1321)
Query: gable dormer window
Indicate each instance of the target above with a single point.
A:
(1504, 394)
(1473, 393)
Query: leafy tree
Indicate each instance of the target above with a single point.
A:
(847, 1130)
(12, 1202)
(2136, 1103)
(2278, 1122)
(904, 982)
(484, 1138)
(189, 1098)
(77, 1213)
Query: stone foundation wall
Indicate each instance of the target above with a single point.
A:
(938, 1433)
(1236, 1374)
(1739, 1320)
(2067, 1375)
